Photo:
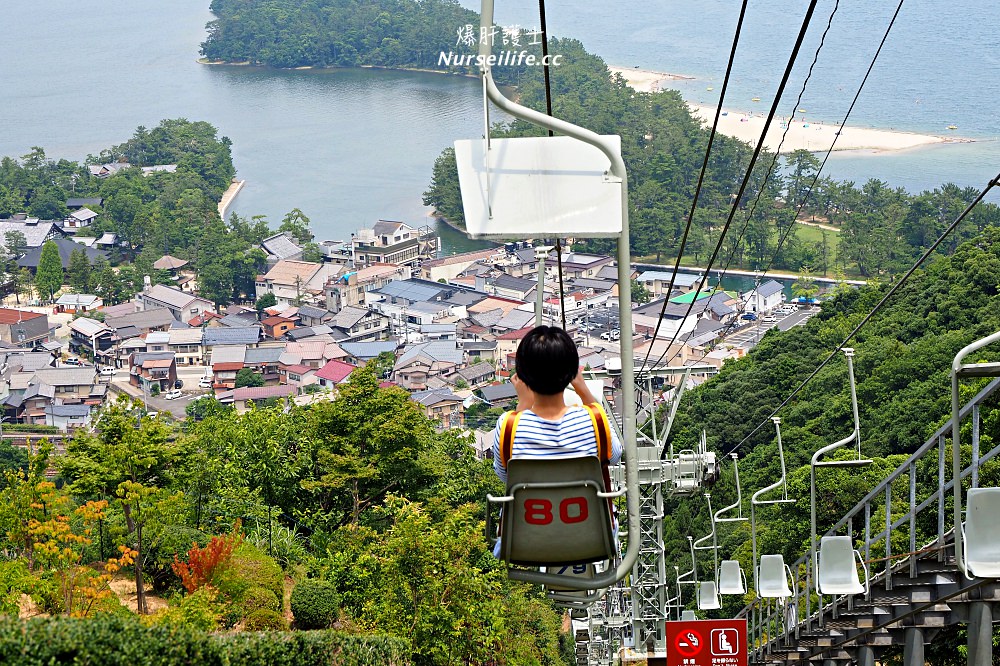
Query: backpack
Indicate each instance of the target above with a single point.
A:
(602, 433)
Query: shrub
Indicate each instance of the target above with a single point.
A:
(198, 610)
(111, 641)
(249, 567)
(161, 553)
(314, 604)
(265, 620)
(208, 564)
(259, 598)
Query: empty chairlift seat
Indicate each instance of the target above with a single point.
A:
(732, 580)
(688, 616)
(982, 538)
(772, 578)
(556, 513)
(708, 596)
(838, 567)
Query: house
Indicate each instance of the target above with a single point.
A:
(186, 344)
(334, 372)
(522, 289)
(66, 248)
(475, 374)
(481, 350)
(78, 303)
(507, 346)
(418, 363)
(656, 282)
(243, 397)
(266, 362)
(294, 282)
(351, 288)
(79, 219)
(351, 324)
(310, 316)
(313, 353)
(390, 242)
(157, 319)
(76, 203)
(227, 360)
(275, 327)
(221, 335)
(765, 297)
(181, 305)
(35, 231)
(448, 268)
(359, 353)
(68, 417)
(149, 369)
(92, 337)
(499, 395)
(673, 320)
(442, 406)
(109, 169)
(297, 374)
(23, 328)
(576, 265)
(280, 247)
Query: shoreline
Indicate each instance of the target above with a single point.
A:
(229, 195)
(804, 133)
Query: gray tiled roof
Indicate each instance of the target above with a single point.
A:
(65, 376)
(444, 350)
(232, 336)
(281, 246)
(313, 313)
(347, 317)
(147, 319)
(433, 397)
(263, 355)
(68, 410)
(505, 391)
(769, 288)
(34, 234)
(241, 320)
(368, 350)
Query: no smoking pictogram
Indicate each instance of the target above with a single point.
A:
(688, 643)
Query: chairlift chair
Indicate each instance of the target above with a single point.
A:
(837, 570)
(772, 578)
(977, 543)
(573, 185)
(732, 580)
(773, 586)
(708, 596)
(688, 616)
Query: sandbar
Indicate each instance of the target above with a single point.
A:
(805, 132)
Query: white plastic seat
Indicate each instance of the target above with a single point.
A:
(556, 513)
(980, 533)
(838, 567)
(688, 616)
(708, 596)
(732, 580)
(772, 577)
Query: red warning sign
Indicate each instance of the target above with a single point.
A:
(707, 643)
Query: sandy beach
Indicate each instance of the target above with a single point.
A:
(805, 132)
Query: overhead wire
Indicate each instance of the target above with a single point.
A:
(749, 171)
(701, 174)
(895, 287)
(826, 157)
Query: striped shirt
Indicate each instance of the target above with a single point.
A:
(572, 436)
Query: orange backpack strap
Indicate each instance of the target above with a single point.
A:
(507, 428)
(602, 431)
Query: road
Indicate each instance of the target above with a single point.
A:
(189, 374)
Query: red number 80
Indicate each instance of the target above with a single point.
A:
(539, 511)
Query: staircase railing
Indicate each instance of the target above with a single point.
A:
(892, 526)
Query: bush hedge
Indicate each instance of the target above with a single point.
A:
(314, 604)
(112, 641)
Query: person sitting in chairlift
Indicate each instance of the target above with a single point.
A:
(543, 425)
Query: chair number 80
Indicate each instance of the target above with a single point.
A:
(571, 510)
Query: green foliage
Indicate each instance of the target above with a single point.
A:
(249, 574)
(314, 604)
(111, 641)
(14, 581)
(198, 611)
(49, 276)
(265, 620)
(247, 377)
(268, 300)
(172, 539)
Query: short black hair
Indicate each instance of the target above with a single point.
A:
(547, 360)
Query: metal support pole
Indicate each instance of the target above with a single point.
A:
(866, 656)
(913, 647)
(980, 634)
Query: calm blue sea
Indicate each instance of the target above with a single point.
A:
(351, 146)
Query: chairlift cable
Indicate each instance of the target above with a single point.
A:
(701, 175)
(545, 70)
(822, 165)
(995, 182)
(749, 171)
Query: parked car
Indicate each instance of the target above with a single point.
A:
(748, 316)
(72, 361)
(173, 394)
(205, 382)
(770, 319)
(178, 384)
(106, 372)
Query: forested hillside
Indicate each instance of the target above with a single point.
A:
(902, 364)
(341, 33)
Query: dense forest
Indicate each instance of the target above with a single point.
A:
(371, 517)
(902, 364)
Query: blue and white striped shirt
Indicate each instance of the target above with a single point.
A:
(572, 436)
